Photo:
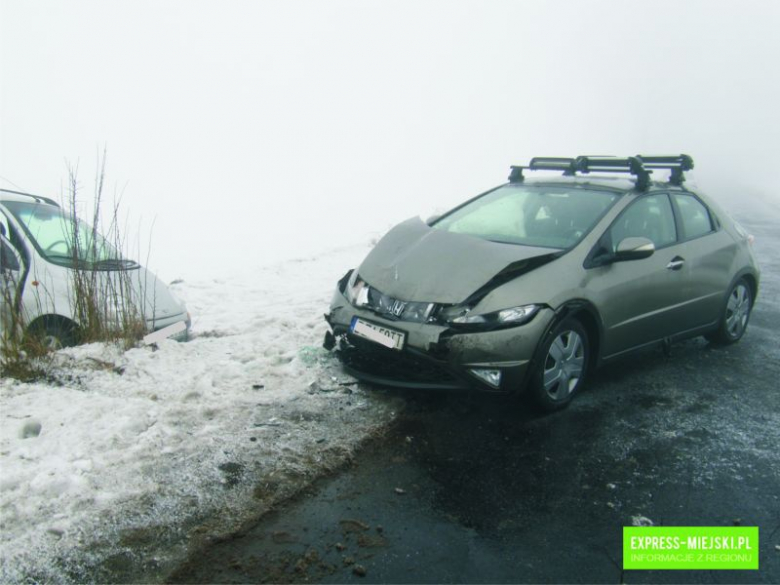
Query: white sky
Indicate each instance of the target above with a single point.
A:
(251, 131)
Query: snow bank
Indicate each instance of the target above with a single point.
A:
(110, 471)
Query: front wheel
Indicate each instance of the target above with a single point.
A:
(561, 368)
(51, 335)
(736, 315)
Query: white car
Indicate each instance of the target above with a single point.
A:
(40, 266)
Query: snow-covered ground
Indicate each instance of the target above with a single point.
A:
(127, 458)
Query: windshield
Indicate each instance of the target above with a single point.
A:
(550, 217)
(65, 241)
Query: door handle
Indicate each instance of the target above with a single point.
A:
(676, 263)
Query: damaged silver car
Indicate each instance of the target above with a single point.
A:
(529, 286)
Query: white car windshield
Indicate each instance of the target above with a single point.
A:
(551, 217)
(61, 239)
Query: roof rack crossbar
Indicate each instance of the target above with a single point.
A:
(611, 164)
(516, 174)
(553, 163)
(676, 163)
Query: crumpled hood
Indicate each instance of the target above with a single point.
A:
(415, 262)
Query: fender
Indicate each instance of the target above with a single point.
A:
(595, 329)
(747, 271)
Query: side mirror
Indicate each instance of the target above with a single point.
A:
(634, 248)
(432, 219)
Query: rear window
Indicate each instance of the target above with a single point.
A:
(551, 217)
(694, 215)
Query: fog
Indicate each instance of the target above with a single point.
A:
(241, 133)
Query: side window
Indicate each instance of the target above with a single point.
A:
(649, 217)
(695, 218)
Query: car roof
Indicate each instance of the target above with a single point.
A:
(621, 184)
(9, 195)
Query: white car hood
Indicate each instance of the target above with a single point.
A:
(159, 302)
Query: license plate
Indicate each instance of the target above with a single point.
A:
(378, 334)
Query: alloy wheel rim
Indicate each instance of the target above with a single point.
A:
(564, 365)
(737, 311)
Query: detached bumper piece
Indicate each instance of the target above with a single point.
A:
(373, 363)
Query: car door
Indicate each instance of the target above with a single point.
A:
(640, 300)
(709, 254)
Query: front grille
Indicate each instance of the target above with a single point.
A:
(393, 309)
(401, 366)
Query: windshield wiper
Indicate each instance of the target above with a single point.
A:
(107, 263)
(115, 263)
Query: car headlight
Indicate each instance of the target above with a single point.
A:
(356, 290)
(418, 312)
(503, 318)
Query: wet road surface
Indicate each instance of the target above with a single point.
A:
(478, 489)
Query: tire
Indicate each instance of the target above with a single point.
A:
(561, 367)
(51, 335)
(736, 315)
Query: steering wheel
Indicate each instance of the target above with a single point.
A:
(50, 247)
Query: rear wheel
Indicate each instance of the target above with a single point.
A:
(736, 315)
(562, 366)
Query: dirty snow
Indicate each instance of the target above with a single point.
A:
(123, 459)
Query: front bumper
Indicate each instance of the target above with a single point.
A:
(161, 323)
(435, 356)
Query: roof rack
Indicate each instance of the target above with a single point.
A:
(38, 198)
(612, 164)
(640, 166)
(544, 163)
(552, 163)
(677, 163)
(516, 174)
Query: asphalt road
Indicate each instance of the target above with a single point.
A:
(476, 489)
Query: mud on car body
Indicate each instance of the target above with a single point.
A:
(529, 286)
